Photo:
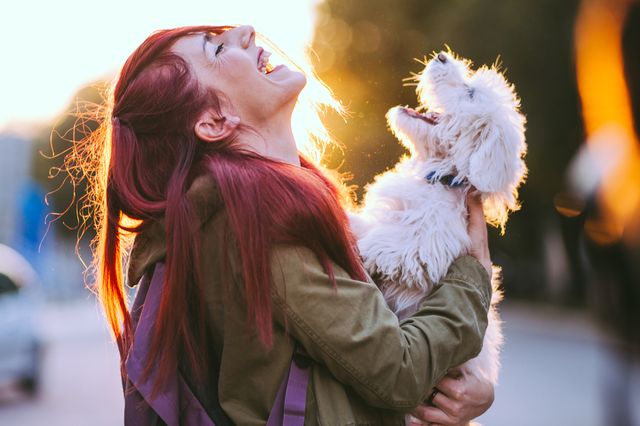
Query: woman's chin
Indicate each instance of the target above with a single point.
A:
(283, 89)
(284, 76)
(301, 82)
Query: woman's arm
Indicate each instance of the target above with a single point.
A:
(462, 396)
(350, 329)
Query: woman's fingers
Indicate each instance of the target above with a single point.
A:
(450, 406)
(478, 230)
(453, 388)
(414, 421)
(464, 396)
(434, 415)
(449, 396)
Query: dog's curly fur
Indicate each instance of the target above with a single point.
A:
(409, 230)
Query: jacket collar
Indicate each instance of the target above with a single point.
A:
(150, 245)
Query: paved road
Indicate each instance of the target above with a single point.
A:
(552, 365)
(80, 380)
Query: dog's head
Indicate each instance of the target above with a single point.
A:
(472, 127)
(443, 85)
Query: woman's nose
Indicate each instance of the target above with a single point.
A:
(246, 34)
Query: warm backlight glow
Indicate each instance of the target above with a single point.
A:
(608, 118)
(50, 49)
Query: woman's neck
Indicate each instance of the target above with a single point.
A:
(274, 139)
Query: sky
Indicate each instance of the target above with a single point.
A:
(49, 49)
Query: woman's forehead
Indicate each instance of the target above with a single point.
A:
(192, 44)
(195, 43)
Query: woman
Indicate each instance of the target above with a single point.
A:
(255, 258)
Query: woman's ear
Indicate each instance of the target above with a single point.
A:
(214, 127)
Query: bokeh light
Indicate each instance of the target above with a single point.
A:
(606, 107)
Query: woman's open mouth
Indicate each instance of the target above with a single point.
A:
(263, 62)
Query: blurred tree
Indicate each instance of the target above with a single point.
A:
(64, 183)
(366, 47)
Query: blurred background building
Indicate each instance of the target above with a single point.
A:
(15, 171)
(570, 257)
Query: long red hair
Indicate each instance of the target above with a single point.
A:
(150, 156)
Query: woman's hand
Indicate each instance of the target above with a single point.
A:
(459, 398)
(478, 230)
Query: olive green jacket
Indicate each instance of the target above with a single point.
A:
(369, 368)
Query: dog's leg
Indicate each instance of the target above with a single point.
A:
(359, 224)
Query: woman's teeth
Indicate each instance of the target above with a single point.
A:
(264, 66)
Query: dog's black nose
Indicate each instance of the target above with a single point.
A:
(442, 57)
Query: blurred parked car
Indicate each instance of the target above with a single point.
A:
(20, 343)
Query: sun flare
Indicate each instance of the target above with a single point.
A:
(69, 45)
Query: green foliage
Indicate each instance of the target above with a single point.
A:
(64, 183)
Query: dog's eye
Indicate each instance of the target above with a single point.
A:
(471, 92)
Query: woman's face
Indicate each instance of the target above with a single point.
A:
(233, 65)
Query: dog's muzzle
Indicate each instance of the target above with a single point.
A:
(430, 118)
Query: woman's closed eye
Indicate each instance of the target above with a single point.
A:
(207, 41)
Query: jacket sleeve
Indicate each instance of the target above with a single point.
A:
(350, 329)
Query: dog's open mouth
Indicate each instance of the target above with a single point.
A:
(429, 117)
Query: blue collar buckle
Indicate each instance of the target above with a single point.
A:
(448, 180)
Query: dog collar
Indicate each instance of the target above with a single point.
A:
(448, 180)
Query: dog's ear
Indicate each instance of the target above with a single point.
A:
(496, 167)
(499, 146)
(496, 162)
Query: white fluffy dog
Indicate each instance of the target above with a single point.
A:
(413, 223)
